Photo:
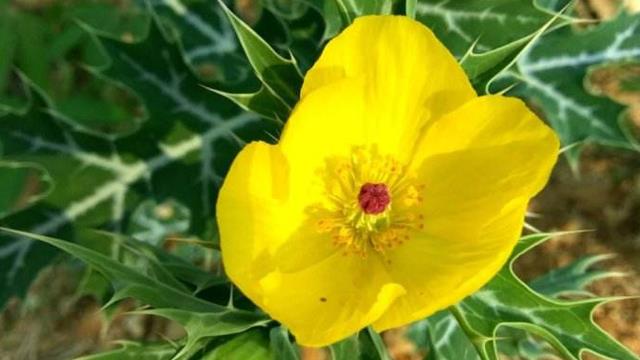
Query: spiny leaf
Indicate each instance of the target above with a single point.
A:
(181, 152)
(338, 14)
(208, 41)
(506, 302)
(261, 102)
(287, 10)
(153, 222)
(53, 46)
(352, 9)
(130, 350)
(252, 345)
(572, 279)
(333, 18)
(214, 52)
(279, 75)
(553, 74)
(442, 337)
(22, 185)
(201, 319)
(516, 343)
(483, 68)
(8, 47)
(201, 326)
(127, 23)
(281, 345)
(149, 258)
(131, 283)
(480, 24)
(371, 345)
(365, 345)
(304, 34)
(346, 349)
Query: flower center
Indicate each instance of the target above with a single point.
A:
(357, 212)
(374, 198)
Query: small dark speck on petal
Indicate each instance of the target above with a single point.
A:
(323, 299)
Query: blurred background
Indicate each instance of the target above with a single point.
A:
(60, 318)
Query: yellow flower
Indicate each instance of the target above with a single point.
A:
(395, 191)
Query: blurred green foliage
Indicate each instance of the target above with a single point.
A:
(107, 122)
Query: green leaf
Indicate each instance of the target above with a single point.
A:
(334, 19)
(410, 8)
(346, 349)
(506, 302)
(52, 46)
(442, 337)
(281, 77)
(12, 96)
(127, 23)
(483, 25)
(553, 74)
(33, 34)
(178, 267)
(483, 68)
(572, 279)
(286, 9)
(130, 350)
(366, 345)
(252, 345)
(372, 345)
(181, 152)
(7, 47)
(620, 82)
(22, 185)
(153, 222)
(338, 14)
(212, 50)
(516, 343)
(353, 9)
(201, 319)
(261, 102)
(201, 326)
(304, 34)
(207, 38)
(277, 74)
(281, 345)
(128, 282)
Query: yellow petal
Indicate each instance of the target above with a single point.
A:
(253, 216)
(276, 258)
(385, 83)
(326, 124)
(409, 77)
(480, 165)
(331, 300)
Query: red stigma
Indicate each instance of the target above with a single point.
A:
(373, 198)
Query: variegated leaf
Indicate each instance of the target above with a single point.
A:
(338, 14)
(208, 41)
(280, 78)
(572, 279)
(365, 345)
(22, 185)
(136, 351)
(510, 318)
(506, 302)
(553, 74)
(142, 277)
(480, 24)
(442, 338)
(180, 152)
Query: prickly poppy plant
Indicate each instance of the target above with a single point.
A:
(394, 191)
(286, 179)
